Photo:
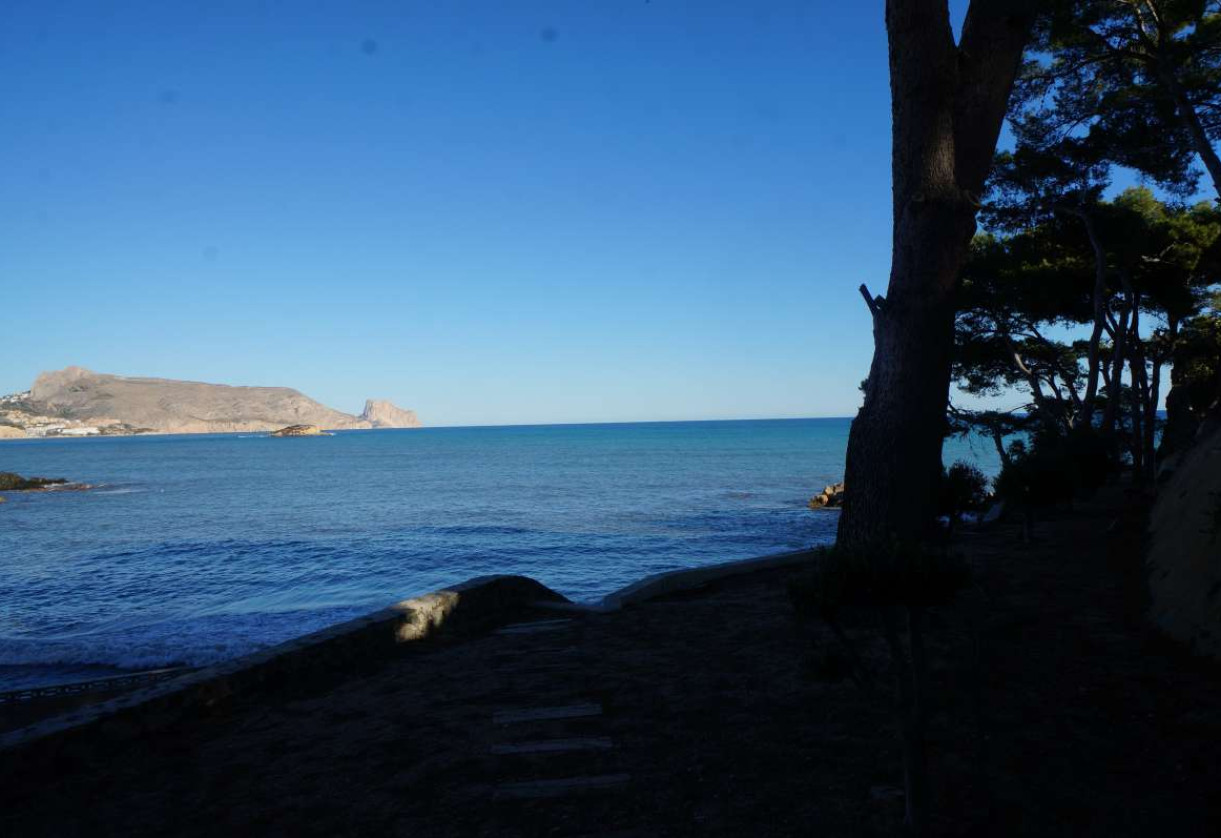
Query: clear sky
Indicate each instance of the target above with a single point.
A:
(491, 212)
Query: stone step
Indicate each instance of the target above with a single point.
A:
(532, 789)
(527, 664)
(545, 714)
(555, 746)
(536, 627)
(540, 654)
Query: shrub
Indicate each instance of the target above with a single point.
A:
(964, 488)
(1056, 468)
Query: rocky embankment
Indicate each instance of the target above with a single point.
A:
(1184, 558)
(78, 402)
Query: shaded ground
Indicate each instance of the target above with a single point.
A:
(711, 714)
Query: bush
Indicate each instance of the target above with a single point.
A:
(964, 488)
(1056, 468)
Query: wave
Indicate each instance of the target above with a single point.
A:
(485, 529)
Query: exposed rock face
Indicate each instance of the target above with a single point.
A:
(1184, 557)
(832, 496)
(383, 414)
(78, 402)
(299, 430)
(9, 432)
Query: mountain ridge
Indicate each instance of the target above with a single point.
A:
(79, 402)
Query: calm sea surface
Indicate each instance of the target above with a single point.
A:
(200, 548)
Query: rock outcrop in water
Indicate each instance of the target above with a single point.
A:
(831, 497)
(10, 482)
(79, 402)
(299, 430)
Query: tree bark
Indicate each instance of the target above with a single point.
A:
(998, 440)
(1155, 391)
(948, 102)
(1114, 382)
(1089, 402)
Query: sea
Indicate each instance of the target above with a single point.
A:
(195, 549)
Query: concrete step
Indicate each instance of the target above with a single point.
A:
(555, 746)
(545, 714)
(543, 627)
(540, 654)
(534, 789)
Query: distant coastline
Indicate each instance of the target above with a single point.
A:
(76, 402)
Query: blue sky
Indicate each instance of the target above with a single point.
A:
(489, 212)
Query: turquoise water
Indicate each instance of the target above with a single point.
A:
(198, 548)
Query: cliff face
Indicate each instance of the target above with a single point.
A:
(99, 401)
(383, 414)
(1185, 549)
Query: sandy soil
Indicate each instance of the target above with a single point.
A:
(710, 713)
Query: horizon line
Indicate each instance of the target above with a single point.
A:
(613, 422)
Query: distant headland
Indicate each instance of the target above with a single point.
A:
(78, 402)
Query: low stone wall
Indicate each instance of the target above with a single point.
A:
(472, 606)
(685, 579)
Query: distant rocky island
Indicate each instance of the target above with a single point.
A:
(78, 402)
(300, 430)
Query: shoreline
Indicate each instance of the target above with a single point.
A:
(459, 427)
(643, 589)
(700, 711)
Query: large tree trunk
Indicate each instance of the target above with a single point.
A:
(1119, 349)
(1099, 300)
(948, 102)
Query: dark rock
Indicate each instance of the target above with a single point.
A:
(10, 482)
(299, 430)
